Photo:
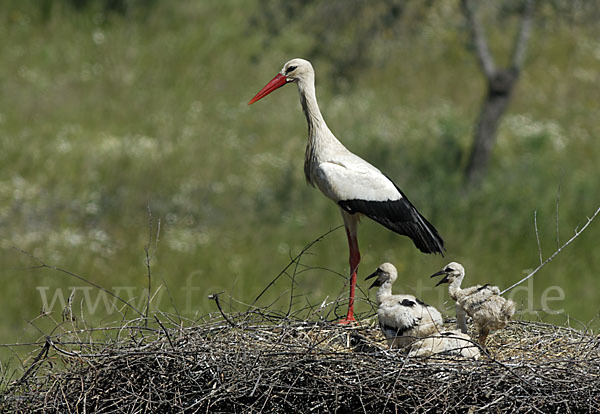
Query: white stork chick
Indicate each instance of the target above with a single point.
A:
(489, 310)
(357, 187)
(451, 343)
(402, 318)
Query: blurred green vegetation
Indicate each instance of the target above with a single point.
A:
(105, 112)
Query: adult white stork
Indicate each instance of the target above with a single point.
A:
(352, 183)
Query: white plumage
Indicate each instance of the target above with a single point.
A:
(352, 183)
(450, 342)
(489, 310)
(402, 318)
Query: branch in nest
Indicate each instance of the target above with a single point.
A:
(292, 262)
(43, 265)
(215, 297)
(549, 259)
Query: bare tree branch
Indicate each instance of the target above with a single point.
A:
(557, 203)
(522, 39)
(537, 236)
(549, 259)
(35, 364)
(149, 257)
(478, 36)
(500, 84)
(215, 297)
(293, 262)
(43, 265)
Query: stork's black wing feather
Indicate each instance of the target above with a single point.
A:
(393, 331)
(401, 217)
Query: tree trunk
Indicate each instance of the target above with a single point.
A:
(500, 87)
(500, 84)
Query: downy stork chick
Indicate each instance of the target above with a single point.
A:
(489, 310)
(402, 318)
(450, 342)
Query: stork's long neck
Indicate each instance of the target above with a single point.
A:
(384, 291)
(310, 107)
(454, 288)
(319, 135)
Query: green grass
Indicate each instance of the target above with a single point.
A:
(102, 116)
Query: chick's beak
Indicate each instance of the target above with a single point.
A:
(444, 279)
(441, 272)
(376, 282)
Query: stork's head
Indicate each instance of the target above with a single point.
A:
(384, 273)
(296, 70)
(452, 271)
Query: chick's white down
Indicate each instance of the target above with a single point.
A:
(450, 342)
(489, 310)
(402, 318)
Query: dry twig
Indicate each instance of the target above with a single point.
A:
(560, 249)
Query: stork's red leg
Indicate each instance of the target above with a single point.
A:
(354, 261)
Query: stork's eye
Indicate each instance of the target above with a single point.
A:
(290, 68)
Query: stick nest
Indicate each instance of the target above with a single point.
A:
(260, 362)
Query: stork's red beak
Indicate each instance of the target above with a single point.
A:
(277, 82)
